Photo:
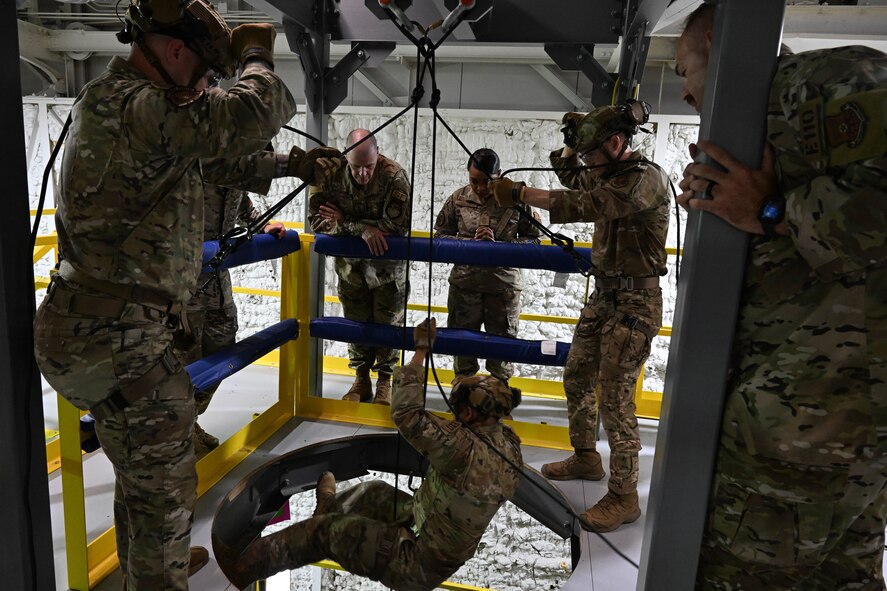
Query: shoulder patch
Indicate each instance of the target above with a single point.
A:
(182, 96)
(854, 127)
(394, 209)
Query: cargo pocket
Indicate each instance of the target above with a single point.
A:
(80, 368)
(623, 347)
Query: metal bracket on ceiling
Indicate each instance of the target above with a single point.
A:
(363, 53)
(574, 57)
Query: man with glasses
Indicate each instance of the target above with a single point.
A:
(484, 296)
(368, 195)
(627, 199)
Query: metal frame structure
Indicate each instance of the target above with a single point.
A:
(734, 117)
(26, 562)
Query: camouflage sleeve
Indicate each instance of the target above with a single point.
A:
(238, 122)
(444, 442)
(568, 178)
(620, 195)
(247, 214)
(317, 223)
(249, 173)
(395, 211)
(527, 232)
(446, 223)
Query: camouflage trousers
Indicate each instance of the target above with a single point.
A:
(212, 329)
(148, 443)
(357, 532)
(605, 360)
(788, 527)
(382, 305)
(497, 312)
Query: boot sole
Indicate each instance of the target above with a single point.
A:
(588, 526)
(594, 478)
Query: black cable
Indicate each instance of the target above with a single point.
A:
(304, 134)
(46, 171)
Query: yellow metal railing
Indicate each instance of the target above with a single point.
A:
(89, 562)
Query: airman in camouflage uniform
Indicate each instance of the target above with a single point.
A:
(484, 296)
(365, 194)
(130, 220)
(211, 312)
(434, 532)
(799, 502)
(628, 199)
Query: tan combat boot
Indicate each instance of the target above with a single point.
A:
(611, 512)
(199, 559)
(325, 493)
(582, 465)
(383, 390)
(362, 388)
(203, 441)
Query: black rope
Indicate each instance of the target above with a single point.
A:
(46, 171)
(304, 134)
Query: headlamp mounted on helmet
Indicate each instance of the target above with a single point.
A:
(604, 122)
(195, 22)
(489, 396)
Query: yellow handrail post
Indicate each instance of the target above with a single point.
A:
(73, 497)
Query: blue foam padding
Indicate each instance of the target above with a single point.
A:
(262, 247)
(214, 368)
(450, 341)
(460, 252)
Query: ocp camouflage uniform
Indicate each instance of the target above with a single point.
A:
(212, 314)
(488, 296)
(434, 532)
(369, 290)
(800, 480)
(130, 220)
(630, 211)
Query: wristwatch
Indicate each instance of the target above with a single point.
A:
(771, 214)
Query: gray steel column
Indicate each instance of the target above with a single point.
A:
(743, 59)
(316, 120)
(26, 562)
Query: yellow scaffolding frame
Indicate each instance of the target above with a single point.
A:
(89, 562)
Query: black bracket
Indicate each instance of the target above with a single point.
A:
(363, 53)
(570, 57)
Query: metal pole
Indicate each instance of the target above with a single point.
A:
(26, 561)
(316, 120)
(741, 65)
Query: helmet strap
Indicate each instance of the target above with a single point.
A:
(152, 59)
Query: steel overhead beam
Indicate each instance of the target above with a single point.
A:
(581, 57)
(741, 65)
(559, 85)
(639, 17)
(370, 85)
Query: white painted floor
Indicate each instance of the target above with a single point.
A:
(255, 388)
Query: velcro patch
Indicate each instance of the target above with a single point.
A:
(854, 127)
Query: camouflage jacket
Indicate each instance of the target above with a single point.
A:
(223, 209)
(809, 384)
(467, 481)
(461, 216)
(384, 203)
(630, 211)
(130, 209)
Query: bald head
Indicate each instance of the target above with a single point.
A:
(362, 159)
(691, 55)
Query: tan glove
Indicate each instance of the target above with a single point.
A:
(571, 122)
(425, 333)
(301, 163)
(253, 41)
(507, 192)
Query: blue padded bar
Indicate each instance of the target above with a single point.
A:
(262, 247)
(450, 341)
(460, 252)
(216, 367)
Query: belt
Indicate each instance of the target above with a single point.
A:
(135, 294)
(168, 364)
(626, 283)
